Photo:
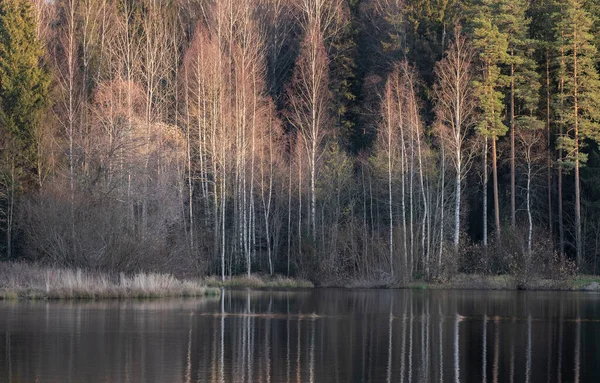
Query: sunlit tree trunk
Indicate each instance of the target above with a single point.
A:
(455, 109)
(289, 220)
(392, 118)
(575, 94)
(485, 192)
(561, 225)
(309, 97)
(549, 148)
(495, 182)
(442, 196)
(513, 189)
(190, 184)
(72, 105)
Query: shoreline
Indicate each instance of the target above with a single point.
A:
(492, 282)
(24, 281)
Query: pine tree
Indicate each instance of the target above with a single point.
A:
(580, 109)
(543, 32)
(492, 45)
(523, 93)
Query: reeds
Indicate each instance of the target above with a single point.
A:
(257, 282)
(31, 281)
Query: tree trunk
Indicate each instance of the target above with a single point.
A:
(457, 203)
(485, 194)
(578, 235)
(578, 238)
(513, 190)
(416, 130)
(189, 166)
(495, 180)
(313, 191)
(289, 225)
(561, 226)
(71, 67)
(10, 210)
(403, 167)
(442, 196)
(529, 217)
(299, 202)
(411, 196)
(549, 149)
(389, 169)
(391, 207)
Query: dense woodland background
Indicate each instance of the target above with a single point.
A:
(381, 140)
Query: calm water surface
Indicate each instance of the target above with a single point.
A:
(320, 335)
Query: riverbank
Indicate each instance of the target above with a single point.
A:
(507, 282)
(488, 282)
(30, 281)
(34, 281)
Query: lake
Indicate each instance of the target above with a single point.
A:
(316, 335)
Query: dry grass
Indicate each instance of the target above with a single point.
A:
(501, 282)
(30, 281)
(257, 282)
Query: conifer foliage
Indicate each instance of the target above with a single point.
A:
(581, 108)
(24, 79)
(24, 84)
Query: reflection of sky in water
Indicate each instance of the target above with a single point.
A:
(316, 335)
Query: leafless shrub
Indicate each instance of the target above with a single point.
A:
(101, 232)
(537, 268)
(446, 267)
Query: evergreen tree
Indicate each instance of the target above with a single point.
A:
(523, 93)
(492, 45)
(430, 25)
(580, 109)
(343, 82)
(24, 86)
(24, 81)
(542, 30)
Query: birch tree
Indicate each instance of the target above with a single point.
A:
(492, 46)
(455, 112)
(390, 143)
(309, 99)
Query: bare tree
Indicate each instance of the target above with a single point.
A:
(455, 111)
(309, 99)
(72, 100)
(391, 141)
(531, 141)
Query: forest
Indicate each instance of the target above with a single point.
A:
(382, 140)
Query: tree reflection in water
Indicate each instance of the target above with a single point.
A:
(320, 335)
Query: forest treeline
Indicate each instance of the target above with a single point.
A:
(328, 139)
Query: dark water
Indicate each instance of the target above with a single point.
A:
(307, 336)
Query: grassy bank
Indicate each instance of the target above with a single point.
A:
(488, 282)
(30, 281)
(507, 282)
(586, 282)
(258, 282)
